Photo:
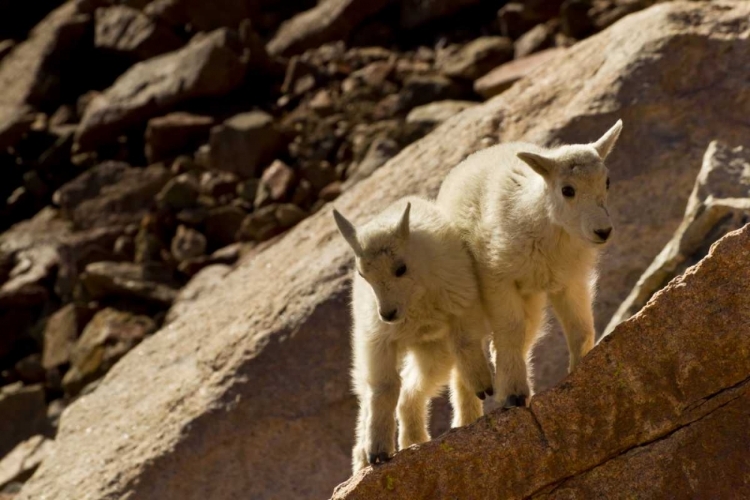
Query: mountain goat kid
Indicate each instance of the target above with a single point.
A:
(418, 323)
(534, 220)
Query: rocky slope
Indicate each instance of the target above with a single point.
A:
(250, 383)
(144, 141)
(647, 414)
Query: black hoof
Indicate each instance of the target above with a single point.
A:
(378, 458)
(480, 395)
(515, 400)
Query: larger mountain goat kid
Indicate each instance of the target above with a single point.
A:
(534, 220)
(418, 324)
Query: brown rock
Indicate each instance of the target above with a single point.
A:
(124, 30)
(515, 19)
(199, 15)
(381, 150)
(23, 414)
(433, 114)
(149, 282)
(179, 192)
(30, 276)
(260, 225)
(541, 36)
(188, 244)
(60, 334)
(244, 143)
(719, 203)
(288, 215)
(476, 58)
(502, 77)
(33, 71)
(110, 194)
(15, 121)
(422, 89)
(109, 336)
(415, 13)
(329, 20)
(575, 21)
(609, 426)
(276, 184)
(175, 133)
(225, 256)
(205, 281)
(5, 47)
(268, 351)
(219, 184)
(20, 464)
(331, 191)
(222, 224)
(47, 252)
(209, 65)
(30, 369)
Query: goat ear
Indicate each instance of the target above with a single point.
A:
(605, 144)
(403, 225)
(348, 231)
(541, 165)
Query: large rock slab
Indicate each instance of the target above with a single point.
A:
(23, 414)
(673, 382)
(23, 460)
(127, 31)
(210, 65)
(719, 203)
(111, 194)
(328, 21)
(251, 385)
(32, 73)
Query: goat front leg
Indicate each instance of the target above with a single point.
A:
(468, 334)
(572, 307)
(384, 384)
(505, 310)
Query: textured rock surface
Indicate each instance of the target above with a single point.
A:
(127, 31)
(252, 382)
(329, 20)
(719, 203)
(29, 74)
(210, 65)
(22, 414)
(110, 194)
(20, 464)
(502, 77)
(659, 409)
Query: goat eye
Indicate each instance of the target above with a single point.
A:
(607, 183)
(568, 191)
(400, 270)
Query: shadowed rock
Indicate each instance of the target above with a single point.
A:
(209, 65)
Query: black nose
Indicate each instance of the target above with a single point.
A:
(603, 233)
(388, 315)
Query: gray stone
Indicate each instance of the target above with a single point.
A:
(20, 464)
(476, 58)
(149, 282)
(23, 414)
(210, 65)
(124, 30)
(719, 204)
(107, 337)
(245, 143)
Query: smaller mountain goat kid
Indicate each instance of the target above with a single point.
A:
(534, 220)
(418, 323)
